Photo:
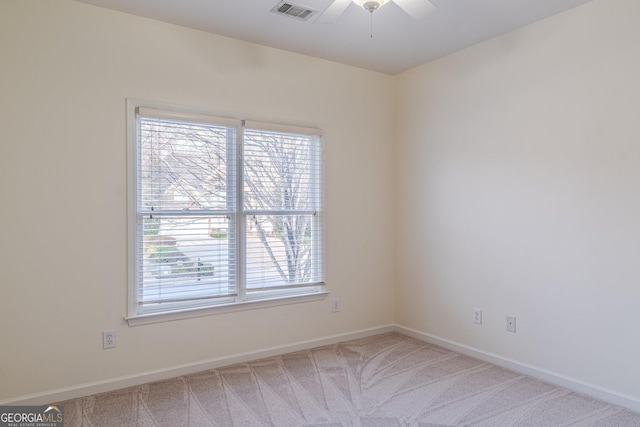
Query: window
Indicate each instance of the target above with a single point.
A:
(223, 214)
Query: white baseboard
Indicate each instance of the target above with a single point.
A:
(573, 384)
(112, 384)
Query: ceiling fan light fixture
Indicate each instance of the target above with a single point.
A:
(370, 5)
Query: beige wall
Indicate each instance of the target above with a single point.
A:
(65, 72)
(518, 186)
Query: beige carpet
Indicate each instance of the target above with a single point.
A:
(382, 381)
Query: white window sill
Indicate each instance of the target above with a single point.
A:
(145, 319)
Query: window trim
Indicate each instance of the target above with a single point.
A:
(242, 300)
(149, 318)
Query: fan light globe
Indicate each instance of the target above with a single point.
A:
(370, 5)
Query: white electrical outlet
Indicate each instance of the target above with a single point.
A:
(477, 316)
(336, 305)
(108, 339)
(511, 324)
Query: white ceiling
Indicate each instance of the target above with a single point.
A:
(398, 44)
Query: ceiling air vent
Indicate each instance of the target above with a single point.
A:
(294, 10)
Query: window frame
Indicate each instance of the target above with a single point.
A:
(242, 301)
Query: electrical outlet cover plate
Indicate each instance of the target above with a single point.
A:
(108, 339)
(477, 316)
(511, 324)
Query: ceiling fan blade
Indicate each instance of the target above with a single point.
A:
(333, 12)
(417, 9)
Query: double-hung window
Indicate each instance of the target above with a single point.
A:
(223, 214)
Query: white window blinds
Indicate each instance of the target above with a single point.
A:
(282, 204)
(186, 210)
(223, 212)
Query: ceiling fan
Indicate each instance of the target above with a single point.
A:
(417, 9)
